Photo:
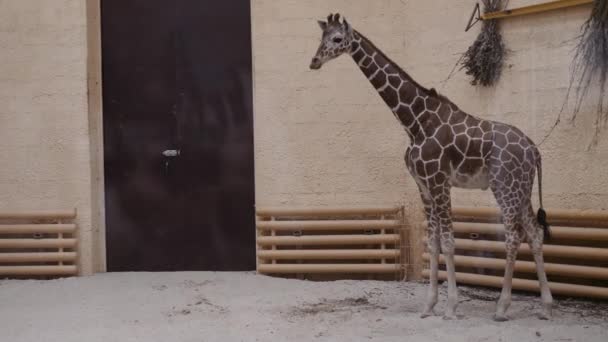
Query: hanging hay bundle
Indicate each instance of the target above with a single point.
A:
(591, 60)
(484, 59)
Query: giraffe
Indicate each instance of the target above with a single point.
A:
(450, 148)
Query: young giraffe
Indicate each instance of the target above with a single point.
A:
(452, 148)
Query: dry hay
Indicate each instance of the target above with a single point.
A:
(590, 64)
(483, 60)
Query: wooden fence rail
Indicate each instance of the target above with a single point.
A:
(37, 243)
(338, 240)
(577, 252)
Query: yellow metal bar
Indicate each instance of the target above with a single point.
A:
(546, 6)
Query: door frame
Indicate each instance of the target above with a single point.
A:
(95, 115)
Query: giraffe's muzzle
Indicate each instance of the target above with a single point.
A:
(315, 64)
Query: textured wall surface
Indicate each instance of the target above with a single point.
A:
(326, 137)
(322, 137)
(45, 159)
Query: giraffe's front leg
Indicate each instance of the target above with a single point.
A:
(441, 217)
(442, 214)
(433, 248)
(447, 247)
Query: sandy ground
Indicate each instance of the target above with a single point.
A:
(208, 306)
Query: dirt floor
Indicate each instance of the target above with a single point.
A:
(207, 306)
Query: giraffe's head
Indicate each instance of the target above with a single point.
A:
(336, 40)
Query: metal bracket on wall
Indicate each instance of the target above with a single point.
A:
(530, 9)
(477, 18)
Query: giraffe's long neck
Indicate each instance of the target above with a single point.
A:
(402, 94)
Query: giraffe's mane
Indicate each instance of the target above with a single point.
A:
(431, 92)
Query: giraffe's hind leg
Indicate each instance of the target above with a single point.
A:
(535, 235)
(509, 201)
(513, 233)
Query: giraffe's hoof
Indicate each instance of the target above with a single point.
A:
(449, 317)
(545, 314)
(500, 318)
(426, 314)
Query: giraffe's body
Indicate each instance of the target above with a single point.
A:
(450, 148)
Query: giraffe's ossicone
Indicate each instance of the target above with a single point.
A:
(450, 148)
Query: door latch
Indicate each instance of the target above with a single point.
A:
(171, 153)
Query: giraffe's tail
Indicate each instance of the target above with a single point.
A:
(541, 215)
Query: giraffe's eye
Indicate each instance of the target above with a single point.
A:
(337, 40)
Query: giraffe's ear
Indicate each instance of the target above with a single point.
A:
(322, 25)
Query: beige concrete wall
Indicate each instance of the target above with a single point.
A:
(326, 137)
(45, 151)
(321, 137)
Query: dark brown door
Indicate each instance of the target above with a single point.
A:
(178, 135)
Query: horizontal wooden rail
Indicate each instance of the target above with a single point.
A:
(38, 214)
(337, 254)
(37, 243)
(587, 253)
(526, 285)
(328, 225)
(325, 211)
(528, 266)
(324, 240)
(38, 257)
(37, 228)
(569, 233)
(567, 225)
(329, 268)
(536, 8)
(591, 218)
(39, 270)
